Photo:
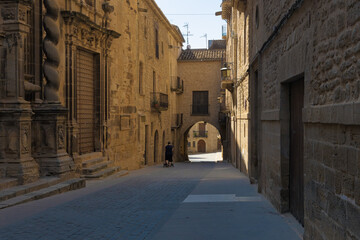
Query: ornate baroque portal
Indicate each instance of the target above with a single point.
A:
(87, 82)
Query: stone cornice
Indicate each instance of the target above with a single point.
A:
(71, 16)
(157, 11)
(25, 2)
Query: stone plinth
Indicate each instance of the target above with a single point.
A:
(50, 141)
(15, 142)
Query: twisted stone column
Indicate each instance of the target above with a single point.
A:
(52, 60)
(50, 118)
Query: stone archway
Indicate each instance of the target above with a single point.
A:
(183, 147)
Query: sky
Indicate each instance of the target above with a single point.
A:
(199, 14)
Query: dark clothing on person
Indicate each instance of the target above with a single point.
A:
(168, 152)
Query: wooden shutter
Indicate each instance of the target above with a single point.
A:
(86, 100)
(200, 102)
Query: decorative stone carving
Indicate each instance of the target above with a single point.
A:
(13, 39)
(107, 8)
(22, 15)
(8, 14)
(61, 137)
(52, 60)
(25, 135)
(89, 2)
(87, 33)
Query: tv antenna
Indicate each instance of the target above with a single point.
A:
(187, 34)
(205, 36)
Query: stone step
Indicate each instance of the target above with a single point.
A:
(7, 183)
(65, 186)
(102, 174)
(93, 162)
(119, 174)
(95, 168)
(27, 188)
(89, 156)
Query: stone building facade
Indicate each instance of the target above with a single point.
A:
(299, 62)
(92, 86)
(199, 69)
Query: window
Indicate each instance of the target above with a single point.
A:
(157, 43)
(193, 143)
(145, 26)
(154, 81)
(257, 17)
(200, 104)
(189, 144)
(141, 80)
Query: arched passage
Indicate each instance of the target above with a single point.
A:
(202, 138)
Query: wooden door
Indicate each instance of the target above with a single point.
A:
(86, 106)
(201, 146)
(146, 144)
(156, 146)
(297, 150)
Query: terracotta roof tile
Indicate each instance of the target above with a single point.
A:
(202, 55)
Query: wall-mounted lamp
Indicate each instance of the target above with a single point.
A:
(225, 72)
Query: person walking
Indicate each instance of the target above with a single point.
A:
(168, 155)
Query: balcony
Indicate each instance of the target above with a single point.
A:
(200, 134)
(177, 85)
(159, 101)
(177, 121)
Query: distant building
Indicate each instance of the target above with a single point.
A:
(199, 69)
(203, 138)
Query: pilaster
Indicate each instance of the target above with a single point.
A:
(50, 141)
(15, 112)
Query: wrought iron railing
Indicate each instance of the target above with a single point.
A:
(177, 85)
(159, 101)
(177, 120)
(200, 134)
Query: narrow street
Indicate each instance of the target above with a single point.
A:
(188, 201)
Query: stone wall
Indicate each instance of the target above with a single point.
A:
(117, 36)
(319, 42)
(195, 74)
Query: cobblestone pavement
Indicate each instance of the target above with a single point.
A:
(136, 206)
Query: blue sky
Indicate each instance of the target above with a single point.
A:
(180, 12)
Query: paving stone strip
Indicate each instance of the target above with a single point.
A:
(131, 210)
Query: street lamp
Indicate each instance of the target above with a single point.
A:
(225, 72)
